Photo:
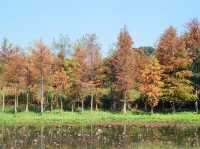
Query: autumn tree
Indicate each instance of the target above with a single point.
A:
(80, 78)
(192, 37)
(28, 77)
(42, 59)
(192, 40)
(174, 61)
(124, 65)
(151, 84)
(60, 77)
(101, 88)
(13, 77)
(60, 84)
(110, 77)
(92, 60)
(7, 52)
(195, 67)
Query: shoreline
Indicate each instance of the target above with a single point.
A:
(101, 118)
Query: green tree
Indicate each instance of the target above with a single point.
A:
(148, 50)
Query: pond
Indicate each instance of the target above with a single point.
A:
(99, 137)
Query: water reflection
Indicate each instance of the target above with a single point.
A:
(98, 137)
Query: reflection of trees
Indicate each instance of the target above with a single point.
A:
(41, 138)
(97, 137)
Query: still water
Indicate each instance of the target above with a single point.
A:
(99, 137)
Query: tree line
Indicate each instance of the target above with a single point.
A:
(76, 76)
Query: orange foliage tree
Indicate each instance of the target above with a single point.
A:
(124, 65)
(13, 77)
(174, 60)
(80, 71)
(151, 84)
(28, 77)
(42, 59)
(92, 60)
(192, 40)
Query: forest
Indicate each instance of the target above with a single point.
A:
(76, 77)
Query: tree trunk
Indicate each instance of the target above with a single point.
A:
(72, 107)
(78, 105)
(82, 105)
(51, 106)
(173, 107)
(145, 106)
(15, 104)
(163, 106)
(196, 106)
(27, 99)
(124, 129)
(3, 106)
(136, 106)
(61, 105)
(96, 107)
(42, 137)
(42, 108)
(91, 102)
(42, 94)
(114, 105)
(151, 109)
(125, 103)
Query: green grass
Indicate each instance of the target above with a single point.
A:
(99, 118)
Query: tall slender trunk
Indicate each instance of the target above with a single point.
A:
(78, 106)
(15, 104)
(114, 105)
(27, 101)
(173, 107)
(136, 106)
(196, 106)
(3, 106)
(42, 94)
(151, 109)
(91, 102)
(96, 106)
(42, 137)
(72, 107)
(125, 103)
(51, 103)
(124, 129)
(82, 105)
(61, 105)
(163, 106)
(145, 106)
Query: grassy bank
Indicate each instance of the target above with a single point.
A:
(100, 118)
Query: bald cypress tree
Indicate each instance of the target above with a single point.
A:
(151, 84)
(124, 65)
(192, 40)
(175, 61)
(42, 59)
